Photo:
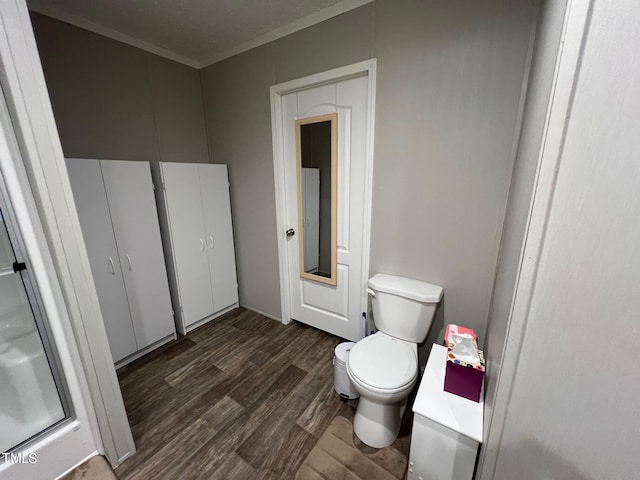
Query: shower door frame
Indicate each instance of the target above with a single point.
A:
(70, 440)
(37, 307)
(40, 194)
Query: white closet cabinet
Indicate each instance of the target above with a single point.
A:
(195, 218)
(119, 222)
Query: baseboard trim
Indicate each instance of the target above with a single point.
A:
(148, 349)
(264, 314)
(190, 328)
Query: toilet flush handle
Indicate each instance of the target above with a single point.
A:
(371, 292)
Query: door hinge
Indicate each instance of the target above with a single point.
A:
(154, 186)
(19, 266)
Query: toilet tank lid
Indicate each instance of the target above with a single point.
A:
(406, 287)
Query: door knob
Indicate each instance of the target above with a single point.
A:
(291, 232)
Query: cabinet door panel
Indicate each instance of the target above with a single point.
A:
(95, 221)
(214, 186)
(135, 223)
(184, 208)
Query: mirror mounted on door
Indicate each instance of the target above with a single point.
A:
(316, 162)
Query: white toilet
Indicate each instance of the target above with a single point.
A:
(384, 367)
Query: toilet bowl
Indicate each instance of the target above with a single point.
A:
(384, 367)
(383, 370)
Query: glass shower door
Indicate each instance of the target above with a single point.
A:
(31, 394)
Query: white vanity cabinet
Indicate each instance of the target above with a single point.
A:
(119, 222)
(447, 429)
(195, 218)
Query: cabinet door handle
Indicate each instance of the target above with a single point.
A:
(129, 261)
(112, 268)
(201, 245)
(211, 243)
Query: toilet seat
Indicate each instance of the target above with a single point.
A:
(383, 363)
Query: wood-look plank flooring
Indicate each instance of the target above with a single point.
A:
(336, 456)
(96, 468)
(241, 397)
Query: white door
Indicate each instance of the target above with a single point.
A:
(335, 309)
(95, 220)
(214, 185)
(311, 218)
(184, 209)
(44, 425)
(29, 398)
(135, 223)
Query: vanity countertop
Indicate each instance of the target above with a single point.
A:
(457, 413)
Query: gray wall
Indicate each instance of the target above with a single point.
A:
(449, 84)
(114, 101)
(540, 82)
(238, 119)
(573, 412)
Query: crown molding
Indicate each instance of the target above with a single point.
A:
(295, 26)
(40, 6)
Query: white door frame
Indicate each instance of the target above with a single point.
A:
(44, 177)
(366, 68)
(575, 29)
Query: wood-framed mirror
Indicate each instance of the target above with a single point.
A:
(316, 162)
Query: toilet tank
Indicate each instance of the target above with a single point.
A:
(403, 307)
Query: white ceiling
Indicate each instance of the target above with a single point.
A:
(194, 32)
